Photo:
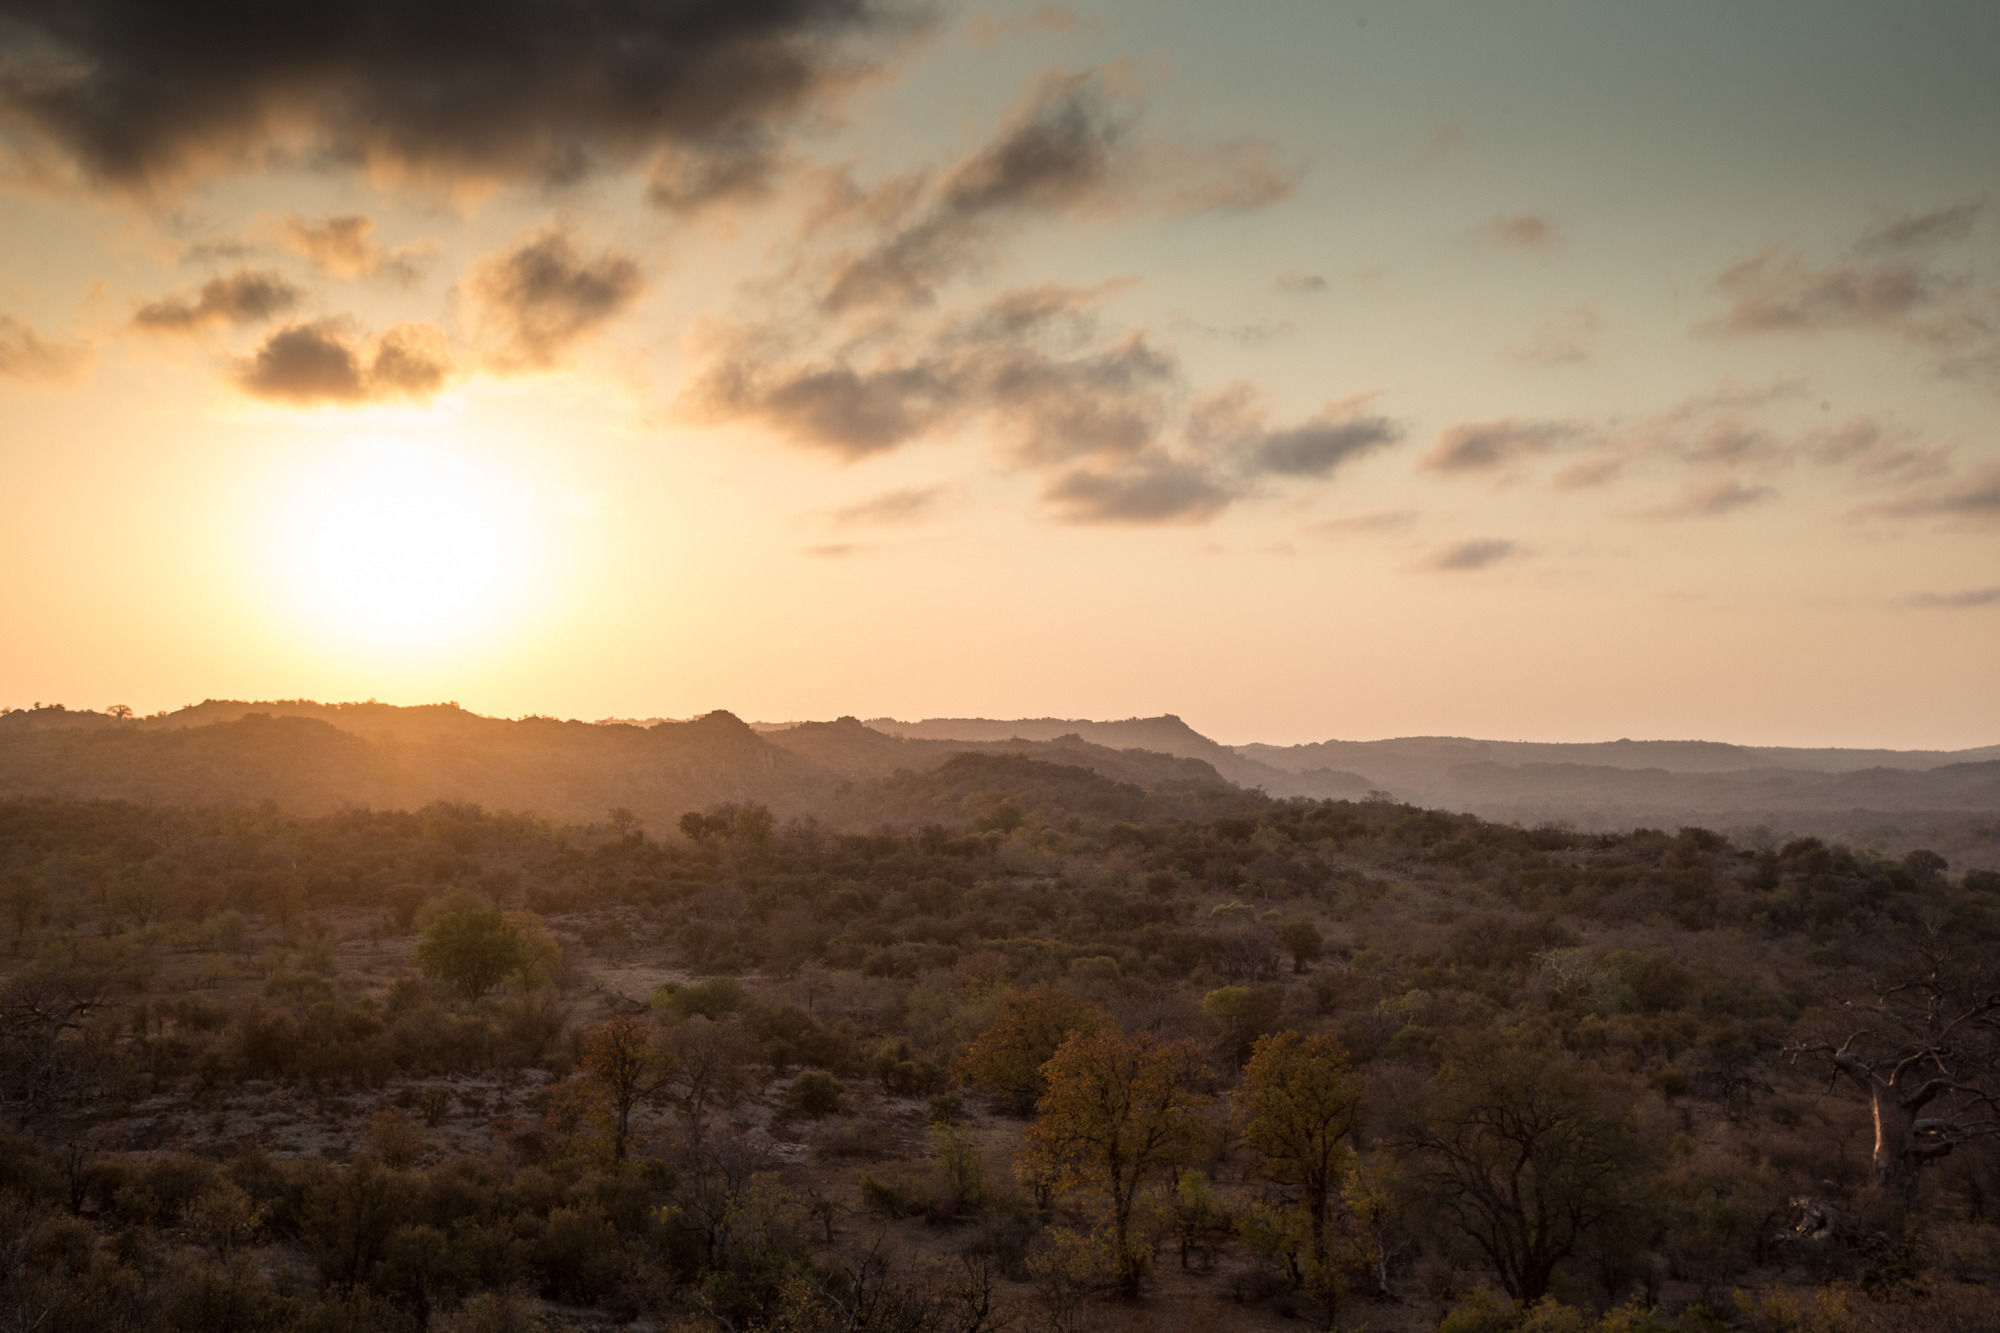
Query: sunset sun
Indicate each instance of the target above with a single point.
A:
(396, 547)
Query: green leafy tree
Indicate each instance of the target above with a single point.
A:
(1120, 1113)
(472, 950)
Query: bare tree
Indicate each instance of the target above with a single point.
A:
(1926, 1050)
(41, 1060)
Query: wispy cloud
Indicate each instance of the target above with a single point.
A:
(1920, 231)
(1480, 553)
(26, 355)
(1712, 501)
(898, 508)
(1563, 339)
(345, 246)
(1153, 490)
(1522, 231)
(1956, 601)
(1493, 446)
(245, 297)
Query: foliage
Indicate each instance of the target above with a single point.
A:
(472, 950)
(1119, 1113)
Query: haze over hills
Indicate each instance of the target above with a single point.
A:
(320, 757)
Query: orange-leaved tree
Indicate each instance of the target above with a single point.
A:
(1119, 1114)
(1298, 1105)
(1006, 1060)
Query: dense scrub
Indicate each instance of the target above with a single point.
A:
(1054, 1051)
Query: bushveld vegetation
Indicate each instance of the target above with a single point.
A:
(1056, 1054)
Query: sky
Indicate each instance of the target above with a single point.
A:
(1557, 371)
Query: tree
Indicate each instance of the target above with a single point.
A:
(1006, 1060)
(1119, 1112)
(472, 950)
(1299, 1103)
(1525, 1155)
(1300, 938)
(625, 1069)
(1926, 1050)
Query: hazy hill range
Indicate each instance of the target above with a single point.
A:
(315, 757)
(1892, 799)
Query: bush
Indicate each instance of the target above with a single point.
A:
(814, 1094)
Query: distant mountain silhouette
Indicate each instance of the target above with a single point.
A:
(316, 757)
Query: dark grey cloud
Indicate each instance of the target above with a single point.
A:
(545, 296)
(136, 93)
(1151, 490)
(897, 508)
(1777, 291)
(1315, 448)
(1295, 283)
(1479, 553)
(25, 354)
(327, 363)
(1957, 601)
(245, 297)
(1920, 231)
(1487, 446)
(1713, 501)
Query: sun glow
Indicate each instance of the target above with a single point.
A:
(402, 547)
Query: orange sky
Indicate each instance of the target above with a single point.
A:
(1309, 370)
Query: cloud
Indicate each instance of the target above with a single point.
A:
(246, 297)
(833, 550)
(897, 508)
(545, 297)
(1777, 291)
(738, 167)
(326, 363)
(1238, 175)
(1295, 283)
(1524, 231)
(1487, 446)
(1873, 450)
(25, 354)
(1922, 230)
(1070, 148)
(136, 95)
(1354, 525)
(1974, 499)
(1563, 339)
(1154, 490)
(1023, 362)
(1060, 151)
(1315, 448)
(345, 246)
(1477, 554)
(1712, 501)
(1957, 601)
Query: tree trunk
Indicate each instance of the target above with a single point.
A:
(1896, 1155)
